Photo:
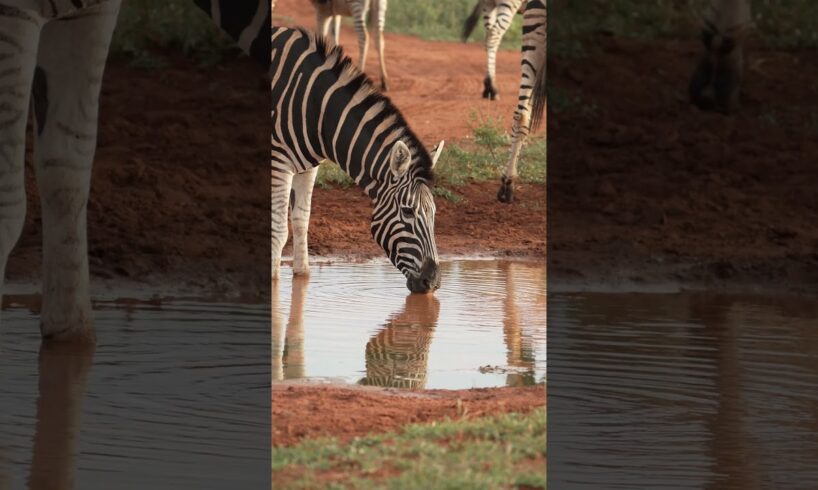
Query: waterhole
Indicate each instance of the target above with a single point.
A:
(683, 391)
(175, 395)
(357, 324)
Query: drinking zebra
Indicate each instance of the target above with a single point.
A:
(325, 108)
(497, 18)
(531, 94)
(329, 13)
(716, 81)
(52, 53)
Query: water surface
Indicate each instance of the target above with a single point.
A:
(175, 395)
(682, 391)
(357, 323)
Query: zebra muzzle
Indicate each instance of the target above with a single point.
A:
(427, 280)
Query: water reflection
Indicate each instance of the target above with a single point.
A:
(63, 378)
(692, 390)
(397, 356)
(486, 327)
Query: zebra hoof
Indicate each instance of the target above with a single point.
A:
(506, 192)
(384, 86)
(489, 90)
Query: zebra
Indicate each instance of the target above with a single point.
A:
(530, 109)
(398, 355)
(497, 18)
(325, 108)
(328, 14)
(52, 53)
(716, 81)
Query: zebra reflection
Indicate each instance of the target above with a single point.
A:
(288, 352)
(397, 356)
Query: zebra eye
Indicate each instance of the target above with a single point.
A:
(408, 212)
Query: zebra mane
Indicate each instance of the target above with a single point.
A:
(360, 84)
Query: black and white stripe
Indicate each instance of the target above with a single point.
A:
(532, 91)
(325, 108)
(53, 54)
(329, 13)
(497, 18)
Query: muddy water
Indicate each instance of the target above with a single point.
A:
(176, 394)
(357, 323)
(682, 391)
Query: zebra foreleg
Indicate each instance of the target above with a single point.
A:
(300, 201)
(336, 29)
(71, 63)
(363, 36)
(18, 57)
(381, 4)
(282, 181)
(519, 132)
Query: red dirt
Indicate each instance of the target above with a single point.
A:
(180, 184)
(650, 189)
(306, 411)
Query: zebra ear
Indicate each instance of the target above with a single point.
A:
(400, 158)
(438, 150)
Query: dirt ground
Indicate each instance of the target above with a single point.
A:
(307, 411)
(644, 188)
(180, 184)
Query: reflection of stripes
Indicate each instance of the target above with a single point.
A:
(329, 13)
(397, 357)
(497, 18)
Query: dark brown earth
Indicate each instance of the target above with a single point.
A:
(646, 189)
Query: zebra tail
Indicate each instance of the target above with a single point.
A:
(471, 21)
(538, 99)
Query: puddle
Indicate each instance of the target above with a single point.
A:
(683, 391)
(356, 323)
(176, 394)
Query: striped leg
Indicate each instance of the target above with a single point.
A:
(301, 199)
(360, 9)
(497, 22)
(282, 181)
(71, 63)
(716, 80)
(533, 59)
(381, 6)
(336, 29)
(19, 35)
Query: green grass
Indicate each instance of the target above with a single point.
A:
(147, 26)
(474, 161)
(443, 21)
(779, 23)
(495, 452)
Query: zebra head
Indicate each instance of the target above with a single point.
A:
(404, 216)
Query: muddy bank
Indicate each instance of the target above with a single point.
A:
(644, 188)
(309, 411)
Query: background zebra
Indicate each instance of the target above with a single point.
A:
(53, 53)
(329, 13)
(716, 81)
(325, 108)
(497, 18)
(532, 90)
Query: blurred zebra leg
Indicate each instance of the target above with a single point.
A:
(282, 181)
(71, 63)
(716, 81)
(381, 8)
(300, 215)
(19, 35)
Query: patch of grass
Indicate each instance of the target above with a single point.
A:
(484, 453)
(330, 174)
(778, 23)
(443, 21)
(146, 26)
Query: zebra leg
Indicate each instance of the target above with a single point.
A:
(359, 13)
(322, 23)
(71, 62)
(282, 181)
(19, 35)
(379, 40)
(336, 29)
(519, 132)
(300, 201)
(494, 34)
(716, 81)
